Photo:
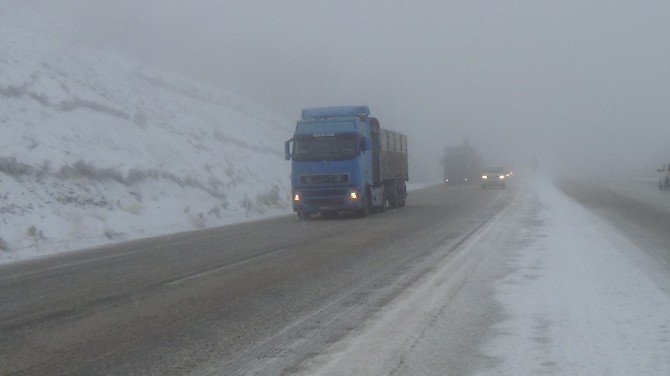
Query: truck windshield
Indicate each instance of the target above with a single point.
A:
(328, 148)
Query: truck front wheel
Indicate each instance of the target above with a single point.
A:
(303, 216)
(365, 211)
(362, 213)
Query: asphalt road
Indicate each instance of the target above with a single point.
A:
(254, 297)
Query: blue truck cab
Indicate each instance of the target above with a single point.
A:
(342, 161)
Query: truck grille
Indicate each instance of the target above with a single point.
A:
(325, 192)
(324, 179)
(328, 202)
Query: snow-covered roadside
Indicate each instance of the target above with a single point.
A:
(95, 149)
(543, 288)
(577, 304)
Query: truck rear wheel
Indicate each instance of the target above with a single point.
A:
(393, 200)
(393, 195)
(382, 208)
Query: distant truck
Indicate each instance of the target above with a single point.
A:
(343, 161)
(461, 164)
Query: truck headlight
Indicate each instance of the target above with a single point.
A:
(353, 195)
(296, 197)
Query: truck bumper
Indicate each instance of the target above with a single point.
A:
(314, 201)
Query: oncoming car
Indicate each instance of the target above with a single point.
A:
(494, 176)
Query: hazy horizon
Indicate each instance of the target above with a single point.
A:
(584, 86)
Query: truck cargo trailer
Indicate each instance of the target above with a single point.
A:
(461, 164)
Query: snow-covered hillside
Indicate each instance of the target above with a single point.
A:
(94, 149)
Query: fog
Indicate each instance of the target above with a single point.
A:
(584, 86)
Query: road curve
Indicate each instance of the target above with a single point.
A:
(225, 299)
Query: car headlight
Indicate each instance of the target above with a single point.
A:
(484, 177)
(502, 176)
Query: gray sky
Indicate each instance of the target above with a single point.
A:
(583, 85)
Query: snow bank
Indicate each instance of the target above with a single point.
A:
(578, 304)
(94, 149)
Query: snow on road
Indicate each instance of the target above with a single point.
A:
(577, 303)
(567, 296)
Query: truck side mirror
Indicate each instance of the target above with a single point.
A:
(362, 147)
(287, 150)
